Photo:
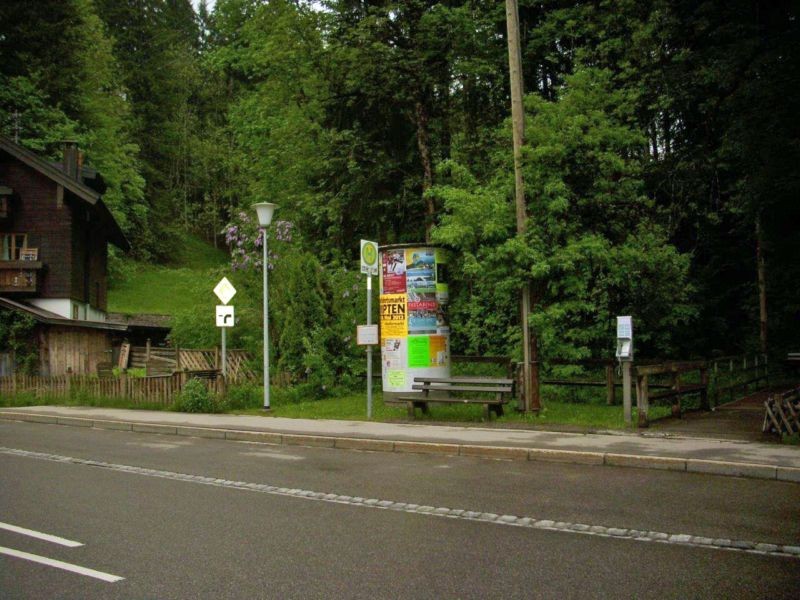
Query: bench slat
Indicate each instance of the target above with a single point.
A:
(462, 388)
(465, 379)
(452, 400)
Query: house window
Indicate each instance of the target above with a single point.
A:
(3, 207)
(12, 244)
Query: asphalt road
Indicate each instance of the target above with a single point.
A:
(169, 535)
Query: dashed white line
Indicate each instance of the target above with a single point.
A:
(58, 564)
(40, 536)
(621, 533)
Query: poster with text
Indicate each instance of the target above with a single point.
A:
(393, 316)
(393, 272)
(422, 315)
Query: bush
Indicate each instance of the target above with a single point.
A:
(241, 397)
(195, 398)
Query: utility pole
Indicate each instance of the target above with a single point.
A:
(530, 368)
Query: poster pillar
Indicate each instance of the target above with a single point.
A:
(414, 330)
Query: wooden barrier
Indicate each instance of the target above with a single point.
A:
(677, 388)
(162, 390)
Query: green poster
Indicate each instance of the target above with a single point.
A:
(419, 351)
(397, 379)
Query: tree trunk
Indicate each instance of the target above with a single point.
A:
(762, 286)
(423, 143)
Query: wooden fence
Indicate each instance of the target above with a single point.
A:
(166, 360)
(140, 390)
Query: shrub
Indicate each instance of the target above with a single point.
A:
(244, 396)
(195, 398)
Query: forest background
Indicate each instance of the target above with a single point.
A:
(661, 159)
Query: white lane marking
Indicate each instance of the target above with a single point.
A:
(58, 564)
(41, 536)
(620, 533)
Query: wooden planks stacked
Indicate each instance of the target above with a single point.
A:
(782, 413)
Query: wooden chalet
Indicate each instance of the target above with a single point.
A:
(54, 236)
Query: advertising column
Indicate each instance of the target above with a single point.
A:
(415, 337)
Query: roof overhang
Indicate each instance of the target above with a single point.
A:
(76, 187)
(48, 318)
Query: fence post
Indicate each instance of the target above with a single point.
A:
(123, 383)
(626, 391)
(68, 382)
(609, 384)
(643, 400)
(704, 392)
(676, 401)
(147, 350)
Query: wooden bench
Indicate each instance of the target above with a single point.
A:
(491, 392)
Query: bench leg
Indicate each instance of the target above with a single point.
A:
(498, 410)
(410, 406)
(487, 415)
(423, 406)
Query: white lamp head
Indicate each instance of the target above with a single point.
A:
(264, 211)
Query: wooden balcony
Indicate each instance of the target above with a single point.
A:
(19, 276)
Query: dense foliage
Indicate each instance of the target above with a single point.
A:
(661, 155)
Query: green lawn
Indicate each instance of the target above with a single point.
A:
(169, 289)
(353, 407)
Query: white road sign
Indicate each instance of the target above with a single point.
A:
(225, 316)
(225, 290)
(367, 335)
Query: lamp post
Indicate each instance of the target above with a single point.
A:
(264, 211)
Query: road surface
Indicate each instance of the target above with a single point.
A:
(166, 517)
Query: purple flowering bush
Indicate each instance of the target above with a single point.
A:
(314, 308)
(246, 241)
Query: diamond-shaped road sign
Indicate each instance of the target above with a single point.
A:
(225, 290)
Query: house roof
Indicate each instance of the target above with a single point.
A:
(78, 188)
(141, 321)
(51, 318)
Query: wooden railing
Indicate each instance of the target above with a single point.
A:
(676, 373)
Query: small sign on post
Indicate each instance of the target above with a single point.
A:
(367, 335)
(369, 257)
(369, 266)
(225, 317)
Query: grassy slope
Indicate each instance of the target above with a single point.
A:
(169, 289)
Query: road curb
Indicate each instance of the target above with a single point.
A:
(690, 465)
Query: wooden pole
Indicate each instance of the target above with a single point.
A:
(530, 366)
(762, 287)
(609, 384)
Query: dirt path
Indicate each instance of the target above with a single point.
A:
(738, 420)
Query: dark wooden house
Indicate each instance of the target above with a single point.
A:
(54, 237)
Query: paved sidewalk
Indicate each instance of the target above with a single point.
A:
(622, 449)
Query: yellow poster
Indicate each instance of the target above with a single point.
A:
(394, 321)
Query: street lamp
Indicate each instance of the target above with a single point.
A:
(264, 211)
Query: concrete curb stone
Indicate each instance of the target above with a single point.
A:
(715, 467)
(566, 456)
(646, 462)
(497, 452)
(75, 422)
(317, 441)
(153, 428)
(426, 448)
(788, 474)
(261, 437)
(364, 444)
(115, 425)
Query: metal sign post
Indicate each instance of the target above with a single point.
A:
(369, 265)
(225, 316)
